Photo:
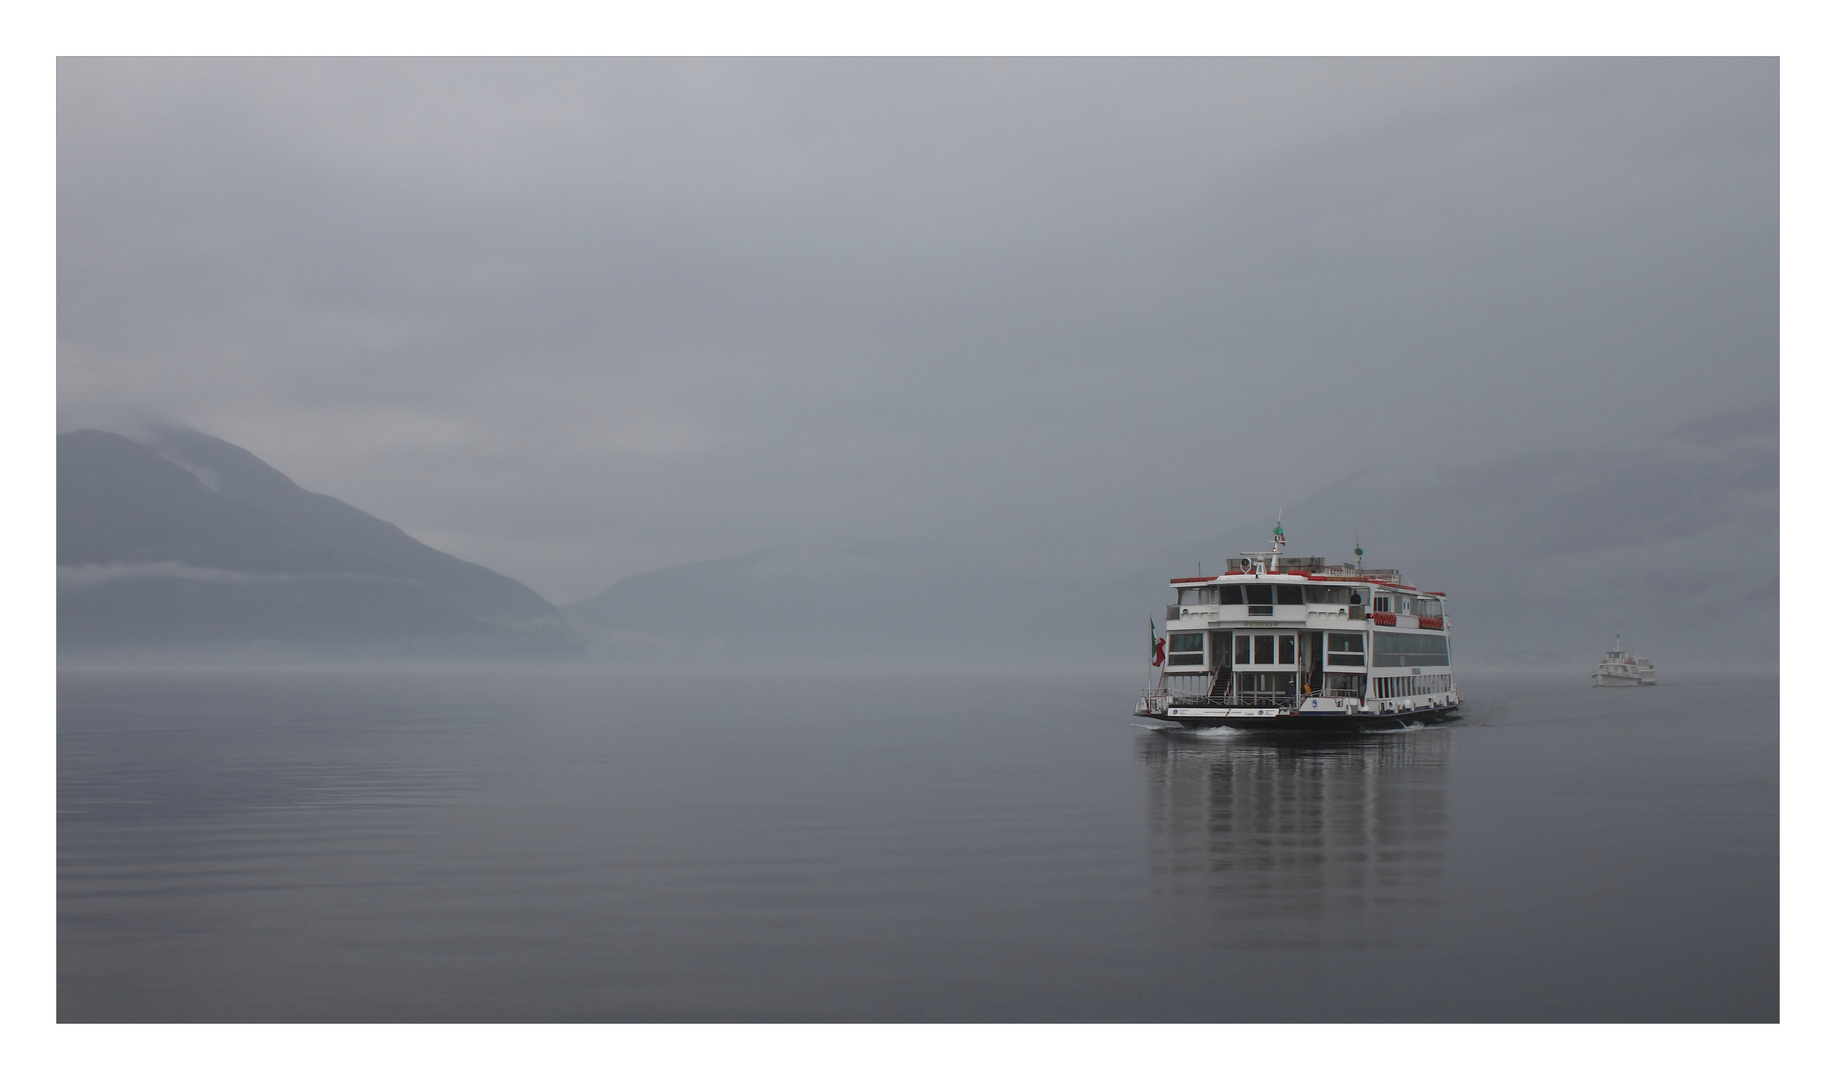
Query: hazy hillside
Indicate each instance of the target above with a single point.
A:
(246, 480)
(120, 504)
(817, 603)
(1675, 542)
(229, 551)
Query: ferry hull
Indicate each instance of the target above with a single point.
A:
(1278, 720)
(1625, 680)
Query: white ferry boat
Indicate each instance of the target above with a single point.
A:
(1621, 668)
(1279, 643)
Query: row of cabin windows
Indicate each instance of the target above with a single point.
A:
(1263, 594)
(1419, 605)
(1266, 595)
(1409, 650)
(1277, 683)
(1342, 650)
(1188, 650)
(1413, 685)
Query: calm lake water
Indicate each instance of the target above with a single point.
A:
(541, 846)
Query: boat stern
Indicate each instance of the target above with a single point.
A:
(1153, 704)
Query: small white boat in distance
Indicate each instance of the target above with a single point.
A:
(1621, 668)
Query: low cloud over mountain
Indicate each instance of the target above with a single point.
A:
(181, 538)
(1544, 556)
(184, 539)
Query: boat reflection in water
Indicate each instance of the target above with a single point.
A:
(1299, 840)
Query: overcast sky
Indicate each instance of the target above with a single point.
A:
(579, 320)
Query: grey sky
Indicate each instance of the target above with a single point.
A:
(578, 320)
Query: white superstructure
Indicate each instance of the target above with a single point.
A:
(1279, 642)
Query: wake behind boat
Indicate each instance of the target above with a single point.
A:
(1278, 643)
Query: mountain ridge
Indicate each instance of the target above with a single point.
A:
(1544, 555)
(219, 549)
(244, 478)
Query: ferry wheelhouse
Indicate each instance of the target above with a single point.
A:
(1291, 643)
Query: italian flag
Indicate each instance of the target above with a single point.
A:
(1157, 645)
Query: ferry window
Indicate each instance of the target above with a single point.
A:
(1230, 594)
(1345, 650)
(1259, 594)
(1265, 648)
(1409, 650)
(1316, 594)
(1380, 603)
(1243, 649)
(1198, 596)
(1287, 649)
(1288, 594)
(1185, 650)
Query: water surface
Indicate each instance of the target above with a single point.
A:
(543, 846)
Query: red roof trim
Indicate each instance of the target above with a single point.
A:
(1301, 574)
(1286, 573)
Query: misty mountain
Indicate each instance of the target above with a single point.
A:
(1543, 556)
(120, 503)
(815, 603)
(225, 549)
(246, 480)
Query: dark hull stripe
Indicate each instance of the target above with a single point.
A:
(1317, 722)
